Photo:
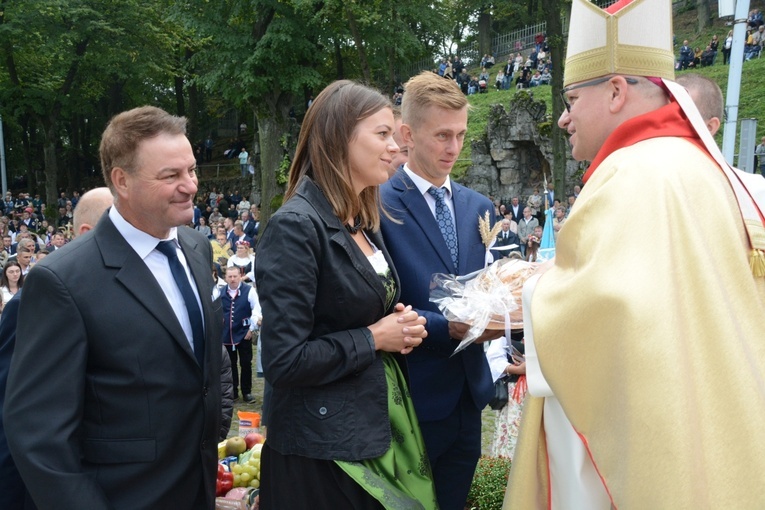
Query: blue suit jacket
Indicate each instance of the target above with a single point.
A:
(418, 251)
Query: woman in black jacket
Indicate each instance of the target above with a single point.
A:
(342, 429)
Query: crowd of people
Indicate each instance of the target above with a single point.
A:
(523, 220)
(28, 235)
(530, 71)
(696, 57)
(369, 405)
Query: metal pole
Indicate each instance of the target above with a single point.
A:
(734, 79)
(2, 158)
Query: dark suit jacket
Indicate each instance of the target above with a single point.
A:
(318, 294)
(249, 228)
(512, 238)
(13, 493)
(516, 217)
(246, 238)
(418, 250)
(550, 197)
(107, 406)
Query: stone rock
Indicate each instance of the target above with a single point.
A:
(514, 157)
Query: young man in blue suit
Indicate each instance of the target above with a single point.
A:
(435, 230)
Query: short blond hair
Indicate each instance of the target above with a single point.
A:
(428, 89)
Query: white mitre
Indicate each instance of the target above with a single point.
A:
(631, 37)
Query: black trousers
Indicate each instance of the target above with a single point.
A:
(242, 351)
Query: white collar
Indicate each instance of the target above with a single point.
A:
(140, 241)
(424, 185)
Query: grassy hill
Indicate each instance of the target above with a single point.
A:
(751, 102)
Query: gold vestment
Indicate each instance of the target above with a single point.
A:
(650, 330)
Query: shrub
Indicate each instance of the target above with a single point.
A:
(489, 482)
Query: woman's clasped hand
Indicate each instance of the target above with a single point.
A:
(400, 331)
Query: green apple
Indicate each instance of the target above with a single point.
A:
(235, 446)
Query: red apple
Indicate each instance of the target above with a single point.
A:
(253, 438)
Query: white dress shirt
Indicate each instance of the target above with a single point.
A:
(423, 186)
(145, 246)
(252, 299)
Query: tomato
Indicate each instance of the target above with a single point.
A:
(227, 482)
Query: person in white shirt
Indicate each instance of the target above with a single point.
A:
(241, 317)
(244, 260)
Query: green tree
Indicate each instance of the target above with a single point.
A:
(370, 39)
(259, 54)
(553, 11)
(703, 15)
(60, 58)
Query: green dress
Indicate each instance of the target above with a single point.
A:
(400, 479)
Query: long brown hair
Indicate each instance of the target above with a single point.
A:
(322, 149)
(4, 280)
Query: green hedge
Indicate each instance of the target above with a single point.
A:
(489, 483)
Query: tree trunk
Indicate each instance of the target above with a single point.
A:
(192, 112)
(50, 131)
(391, 51)
(339, 60)
(358, 41)
(180, 100)
(702, 12)
(91, 164)
(255, 178)
(27, 145)
(116, 99)
(76, 165)
(552, 9)
(532, 6)
(272, 125)
(484, 31)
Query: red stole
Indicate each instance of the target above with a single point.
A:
(668, 120)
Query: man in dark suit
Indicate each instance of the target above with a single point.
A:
(516, 209)
(239, 234)
(121, 408)
(248, 225)
(549, 195)
(8, 246)
(57, 241)
(506, 237)
(228, 224)
(437, 232)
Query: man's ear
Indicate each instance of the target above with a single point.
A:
(119, 181)
(406, 135)
(619, 90)
(713, 125)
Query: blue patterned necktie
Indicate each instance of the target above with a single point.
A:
(168, 249)
(445, 222)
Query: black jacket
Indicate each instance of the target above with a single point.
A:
(318, 293)
(226, 394)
